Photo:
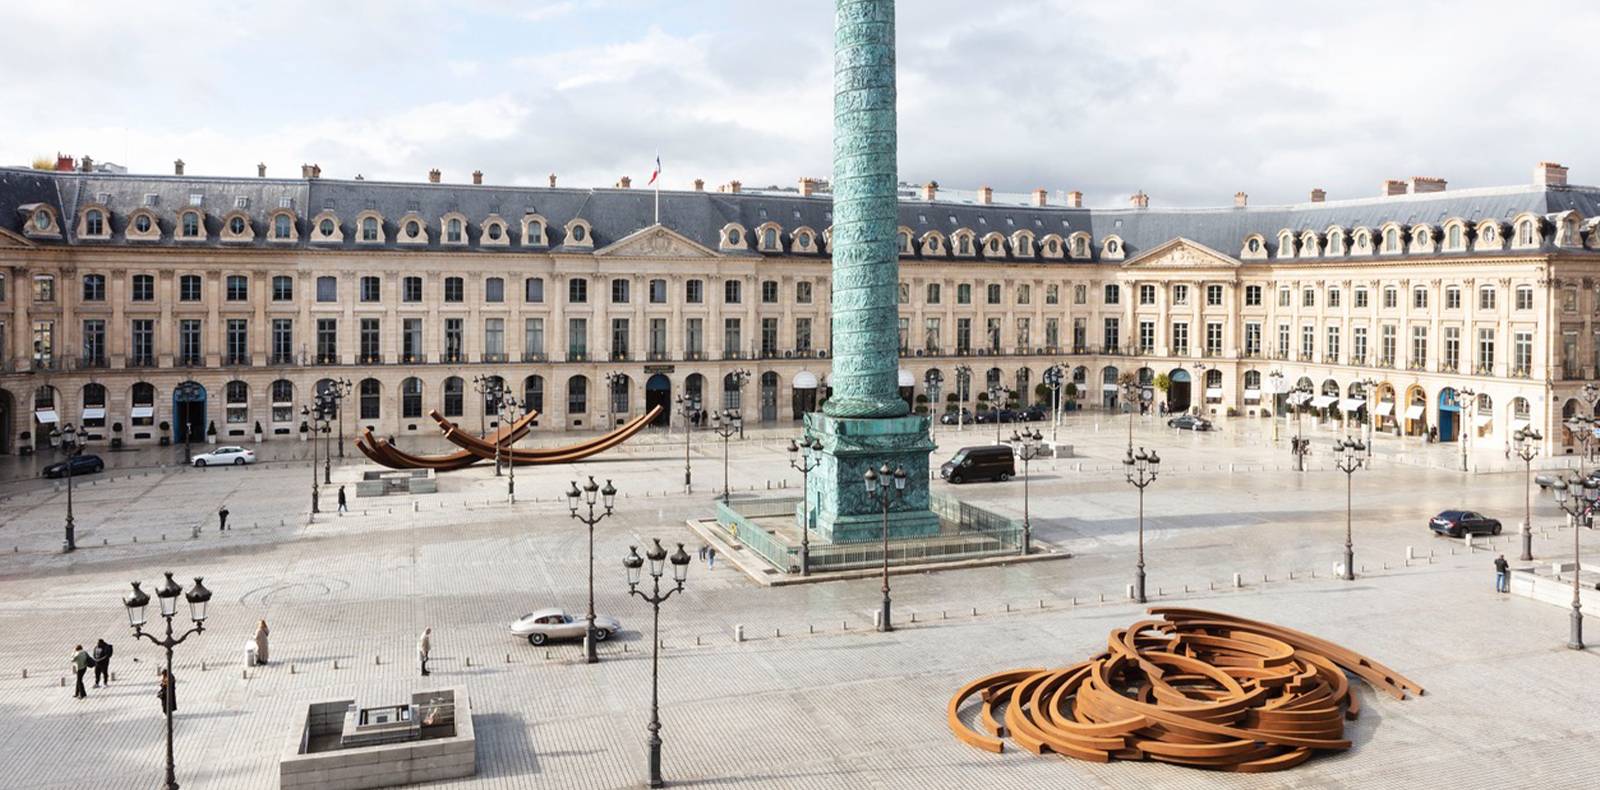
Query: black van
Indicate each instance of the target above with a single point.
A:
(989, 462)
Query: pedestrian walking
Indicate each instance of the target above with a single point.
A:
(222, 518)
(1502, 575)
(167, 691)
(102, 663)
(424, 645)
(711, 557)
(342, 507)
(703, 548)
(80, 665)
(261, 643)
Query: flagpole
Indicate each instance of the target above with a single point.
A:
(657, 179)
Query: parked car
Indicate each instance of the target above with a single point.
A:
(987, 462)
(88, 463)
(949, 417)
(1547, 479)
(1036, 413)
(1456, 523)
(238, 456)
(547, 624)
(1189, 422)
(991, 416)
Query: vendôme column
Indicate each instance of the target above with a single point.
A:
(865, 423)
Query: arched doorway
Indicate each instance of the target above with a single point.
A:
(804, 398)
(1416, 414)
(1108, 387)
(1178, 386)
(1024, 387)
(1449, 415)
(769, 397)
(1383, 414)
(658, 392)
(1328, 402)
(1483, 417)
(189, 412)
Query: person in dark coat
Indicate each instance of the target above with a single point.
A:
(1502, 575)
(222, 518)
(102, 663)
(80, 665)
(342, 507)
(167, 692)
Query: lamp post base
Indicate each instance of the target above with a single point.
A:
(655, 756)
(1349, 564)
(886, 623)
(1527, 542)
(1138, 584)
(1575, 640)
(589, 654)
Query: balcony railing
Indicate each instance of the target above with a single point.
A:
(1520, 373)
(1211, 353)
(46, 363)
(657, 356)
(577, 355)
(142, 361)
(369, 359)
(693, 356)
(327, 359)
(89, 363)
(488, 356)
(1449, 367)
(1417, 364)
(621, 355)
(534, 356)
(1571, 372)
(413, 359)
(1307, 356)
(189, 362)
(236, 360)
(1483, 370)
(281, 359)
(452, 357)
(732, 354)
(1358, 359)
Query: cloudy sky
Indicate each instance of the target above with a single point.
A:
(1189, 101)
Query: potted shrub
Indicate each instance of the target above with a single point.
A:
(116, 438)
(258, 431)
(166, 433)
(304, 431)
(211, 432)
(25, 442)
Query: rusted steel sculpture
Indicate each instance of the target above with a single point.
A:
(1196, 688)
(384, 453)
(474, 449)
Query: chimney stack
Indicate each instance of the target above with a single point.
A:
(309, 172)
(261, 170)
(86, 164)
(1393, 186)
(731, 187)
(806, 187)
(699, 185)
(985, 195)
(1240, 200)
(1139, 200)
(64, 163)
(1549, 174)
(1318, 195)
(477, 177)
(1074, 199)
(1424, 184)
(1041, 197)
(930, 191)
(177, 167)
(433, 176)
(552, 180)
(625, 183)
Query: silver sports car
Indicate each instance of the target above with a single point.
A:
(547, 624)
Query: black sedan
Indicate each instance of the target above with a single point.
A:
(87, 463)
(950, 418)
(996, 415)
(1189, 422)
(1036, 413)
(1456, 523)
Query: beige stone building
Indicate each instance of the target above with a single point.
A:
(1467, 312)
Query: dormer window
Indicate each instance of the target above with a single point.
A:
(733, 237)
(495, 231)
(802, 240)
(769, 239)
(1308, 244)
(1335, 241)
(1525, 233)
(905, 241)
(94, 223)
(142, 226)
(533, 230)
(369, 229)
(236, 226)
(966, 243)
(413, 229)
(1285, 244)
(282, 227)
(452, 231)
(42, 220)
(326, 227)
(1362, 242)
(1391, 240)
(1453, 237)
(994, 245)
(581, 235)
(189, 225)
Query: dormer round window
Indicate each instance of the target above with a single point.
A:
(1054, 247)
(1111, 246)
(804, 240)
(994, 245)
(494, 231)
(41, 219)
(1255, 245)
(733, 236)
(326, 227)
(1488, 233)
(236, 226)
(578, 232)
(413, 228)
(141, 223)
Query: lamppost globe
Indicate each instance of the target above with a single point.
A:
(680, 565)
(657, 554)
(136, 602)
(608, 495)
(632, 564)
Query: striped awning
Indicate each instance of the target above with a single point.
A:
(94, 412)
(46, 416)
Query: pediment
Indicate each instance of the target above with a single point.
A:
(1182, 253)
(656, 241)
(14, 240)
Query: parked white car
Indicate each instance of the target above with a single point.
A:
(238, 456)
(547, 624)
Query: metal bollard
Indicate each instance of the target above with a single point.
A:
(738, 633)
(1130, 592)
(1411, 552)
(1238, 580)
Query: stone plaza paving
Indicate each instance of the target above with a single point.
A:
(813, 698)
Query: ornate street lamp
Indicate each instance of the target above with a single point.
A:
(726, 423)
(1585, 421)
(188, 392)
(1300, 446)
(740, 378)
(963, 389)
(613, 378)
(511, 410)
(1525, 443)
(608, 498)
(1467, 403)
(996, 393)
(1140, 470)
(326, 406)
(1027, 449)
(1369, 388)
(680, 573)
(1277, 387)
(805, 456)
(1055, 379)
(1577, 498)
(72, 449)
(490, 389)
(884, 488)
(168, 593)
(932, 385)
(311, 417)
(687, 408)
(337, 391)
(1349, 455)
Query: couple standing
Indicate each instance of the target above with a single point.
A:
(100, 660)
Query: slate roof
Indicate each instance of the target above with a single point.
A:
(615, 213)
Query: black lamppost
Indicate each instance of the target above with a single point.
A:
(1027, 449)
(337, 391)
(932, 385)
(680, 573)
(1467, 403)
(188, 392)
(613, 378)
(1349, 455)
(167, 593)
(1525, 443)
(1577, 498)
(489, 389)
(1584, 422)
(312, 417)
(326, 405)
(1055, 378)
(511, 410)
(996, 392)
(883, 493)
(1141, 469)
(726, 423)
(687, 408)
(1299, 445)
(1133, 396)
(71, 449)
(740, 378)
(963, 389)
(1277, 386)
(805, 456)
(608, 499)
(1369, 389)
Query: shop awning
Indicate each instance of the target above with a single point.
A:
(906, 379)
(94, 412)
(1109, 387)
(1481, 420)
(144, 411)
(1385, 408)
(1213, 392)
(1415, 412)
(1323, 401)
(1297, 398)
(46, 416)
(1251, 396)
(1353, 404)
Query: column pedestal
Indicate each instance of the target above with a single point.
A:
(838, 489)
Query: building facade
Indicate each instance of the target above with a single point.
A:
(1464, 313)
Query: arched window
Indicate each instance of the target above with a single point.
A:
(769, 239)
(452, 232)
(966, 244)
(237, 396)
(282, 394)
(236, 226)
(411, 398)
(454, 396)
(191, 224)
(281, 227)
(905, 243)
(94, 223)
(1252, 379)
(371, 395)
(369, 229)
(1525, 233)
(1453, 238)
(326, 228)
(1391, 240)
(577, 395)
(1336, 242)
(533, 392)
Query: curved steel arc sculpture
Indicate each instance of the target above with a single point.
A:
(385, 453)
(1195, 688)
(474, 449)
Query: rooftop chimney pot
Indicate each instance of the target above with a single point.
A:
(552, 180)
(1393, 186)
(1041, 197)
(930, 191)
(64, 163)
(1424, 184)
(86, 164)
(1240, 200)
(807, 186)
(433, 176)
(477, 177)
(1549, 174)
(261, 170)
(1074, 199)
(699, 185)
(985, 195)
(1318, 195)
(1139, 200)
(625, 183)
(177, 167)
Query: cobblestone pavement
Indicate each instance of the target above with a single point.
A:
(813, 698)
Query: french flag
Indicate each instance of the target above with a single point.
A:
(656, 173)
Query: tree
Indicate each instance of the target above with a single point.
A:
(44, 163)
(1163, 383)
(1041, 390)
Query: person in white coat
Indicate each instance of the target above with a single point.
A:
(424, 644)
